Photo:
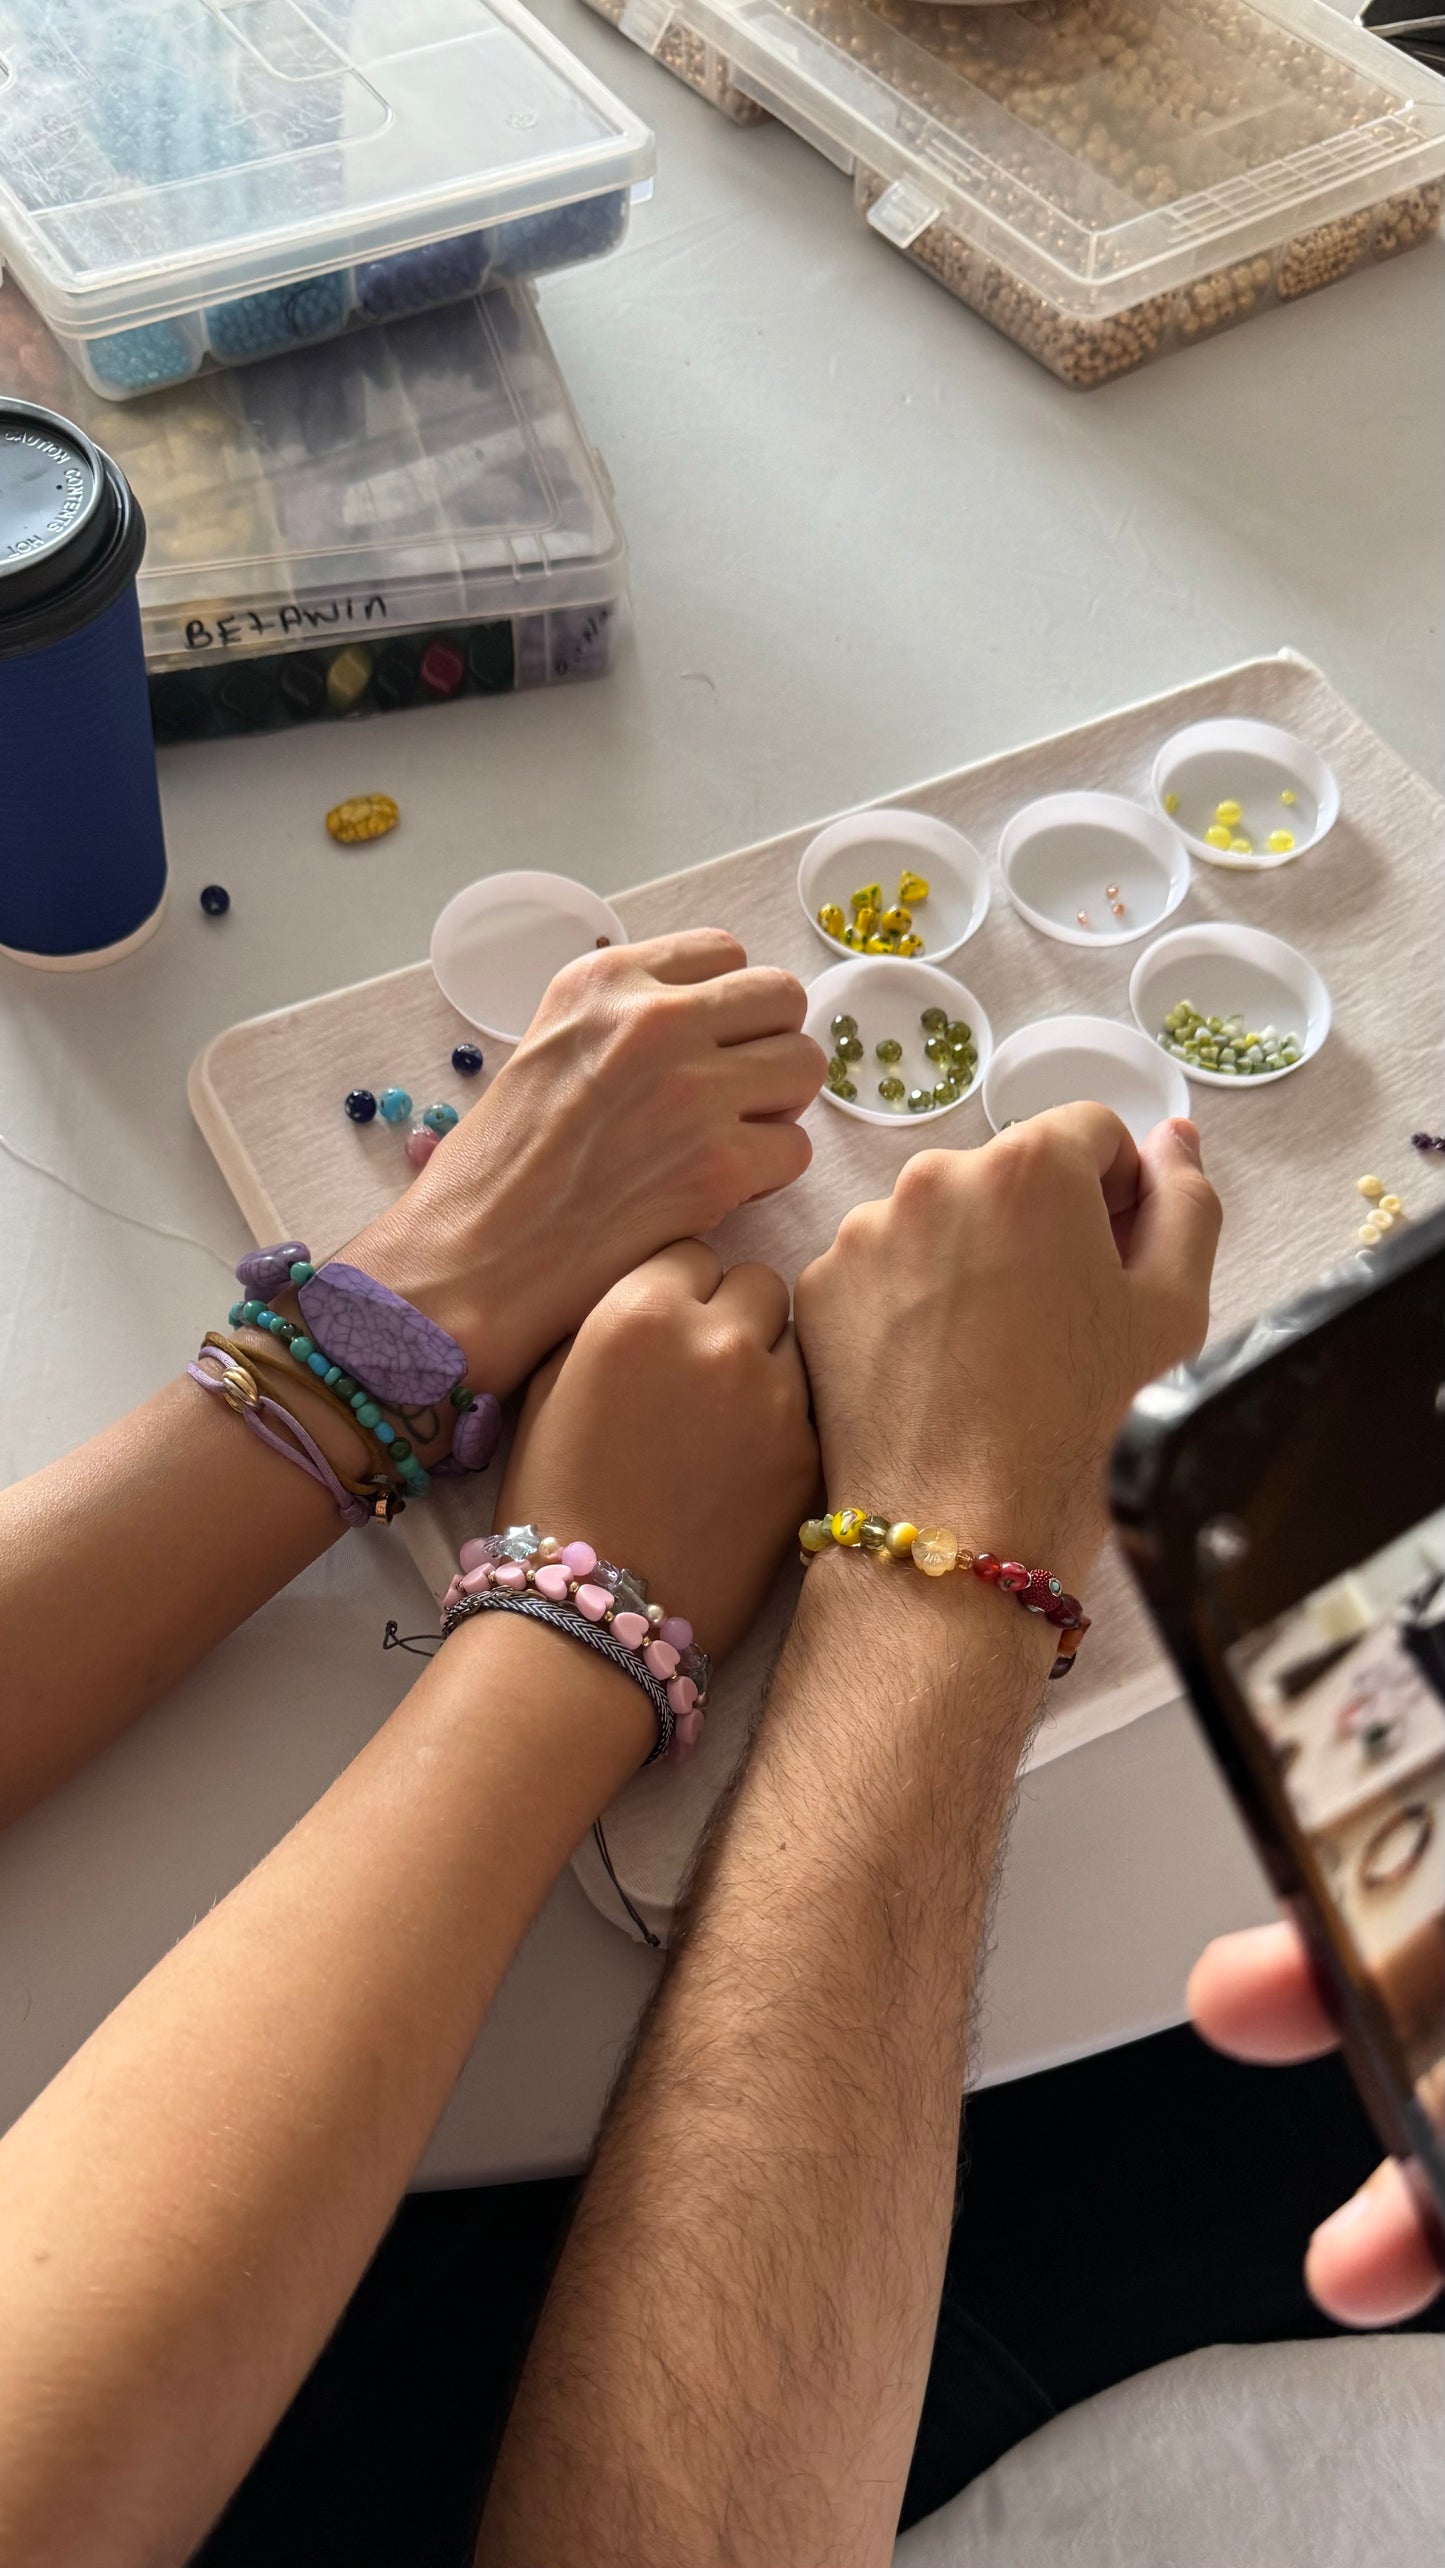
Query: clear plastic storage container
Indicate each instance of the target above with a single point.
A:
(412, 515)
(1101, 179)
(194, 181)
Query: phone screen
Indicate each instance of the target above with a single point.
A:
(1347, 1692)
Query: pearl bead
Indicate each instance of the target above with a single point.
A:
(1368, 1235)
(1373, 1187)
(1391, 1204)
(548, 1548)
(656, 1615)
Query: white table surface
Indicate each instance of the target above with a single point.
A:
(870, 540)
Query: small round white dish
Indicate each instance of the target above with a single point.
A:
(1281, 786)
(887, 994)
(499, 942)
(1224, 970)
(879, 846)
(1093, 869)
(1069, 1060)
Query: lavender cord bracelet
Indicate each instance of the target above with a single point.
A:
(238, 1387)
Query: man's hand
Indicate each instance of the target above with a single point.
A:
(974, 1341)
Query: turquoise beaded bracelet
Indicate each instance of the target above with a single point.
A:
(349, 1394)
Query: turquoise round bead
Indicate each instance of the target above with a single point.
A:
(318, 1363)
(302, 1349)
(441, 1119)
(418, 1482)
(385, 1431)
(331, 1376)
(302, 1271)
(368, 1415)
(358, 1399)
(233, 1316)
(394, 1106)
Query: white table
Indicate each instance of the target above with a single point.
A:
(870, 540)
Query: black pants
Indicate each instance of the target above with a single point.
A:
(1132, 2207)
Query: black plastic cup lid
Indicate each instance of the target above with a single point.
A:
(71, 535)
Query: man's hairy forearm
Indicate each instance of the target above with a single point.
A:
(732, 2359)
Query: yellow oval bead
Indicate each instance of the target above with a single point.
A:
(1229, 811)
(1241, 847)
(831, 919)
(1171, 803)
(1374, 1187)
(878, 945)
(912, 889)
(866, 919)
(363, 816)
(847, 1525)
(935, 1550)
(1216, 837)
(1281, 841)
(900, 1539)
(1288, 797)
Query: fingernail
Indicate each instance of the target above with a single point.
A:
(1187, 1136)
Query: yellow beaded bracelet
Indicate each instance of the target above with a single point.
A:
(936, 1550)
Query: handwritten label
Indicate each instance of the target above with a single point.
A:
(254, 624)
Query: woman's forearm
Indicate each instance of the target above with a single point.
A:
(732, 2357)
(185, 2209)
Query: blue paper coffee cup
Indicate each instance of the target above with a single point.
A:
(82, 853)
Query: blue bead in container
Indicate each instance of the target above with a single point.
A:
(410, 280)
(82, 854)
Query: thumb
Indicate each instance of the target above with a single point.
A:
(1172, 1240)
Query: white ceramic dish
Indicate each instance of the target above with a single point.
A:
(499, 942)
(1068, 1060)
(1254, 764)
(877, 846)
(1224, 970)
(887, 994)
(1067, 860)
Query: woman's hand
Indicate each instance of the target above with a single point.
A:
(1006, 1305)
(673, 1435)
(1371, 2263)
(657, 1088)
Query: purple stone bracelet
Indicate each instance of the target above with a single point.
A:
(387, 1343)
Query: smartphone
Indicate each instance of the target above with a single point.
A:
(1282, 1505)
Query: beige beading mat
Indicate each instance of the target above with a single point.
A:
(1366, 907)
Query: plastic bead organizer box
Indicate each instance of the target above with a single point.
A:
(1103, 180)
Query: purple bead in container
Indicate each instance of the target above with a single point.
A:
(82, 852)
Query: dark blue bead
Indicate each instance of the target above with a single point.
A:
(215, 900)
(360, 1105)
(467, 1058)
